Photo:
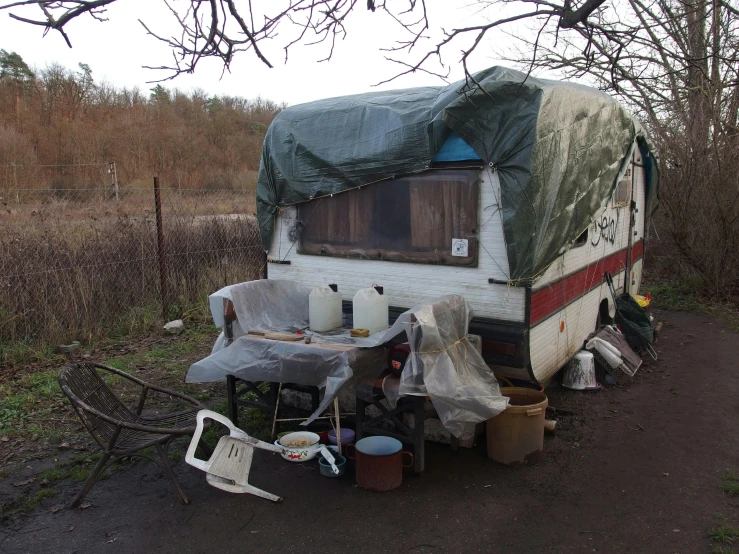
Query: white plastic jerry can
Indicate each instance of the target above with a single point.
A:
(370, 310)
(324, 308)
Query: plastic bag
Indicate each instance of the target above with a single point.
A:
(445, 366)
(632, 319)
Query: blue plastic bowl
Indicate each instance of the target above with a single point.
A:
(325, 468)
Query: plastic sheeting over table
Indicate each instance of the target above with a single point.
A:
(443, 364)
(327, 366)
(447, 367)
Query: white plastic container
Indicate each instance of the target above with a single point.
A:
(324, 309)
(579, 374)
(370, 310)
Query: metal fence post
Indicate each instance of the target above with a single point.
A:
(160, 242)
(113, 179)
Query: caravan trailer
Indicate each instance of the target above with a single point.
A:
(518, 193)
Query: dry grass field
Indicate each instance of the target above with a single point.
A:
(80, 266)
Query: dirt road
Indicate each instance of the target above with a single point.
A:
(635, 469)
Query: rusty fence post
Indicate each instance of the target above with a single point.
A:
(160, 242)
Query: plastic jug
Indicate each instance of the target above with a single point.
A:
(324, 308)
(370, 310)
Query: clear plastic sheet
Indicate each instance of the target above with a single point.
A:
(271, 305)
(443, 364)
(325, 366)
(331, 361)
(281, 305)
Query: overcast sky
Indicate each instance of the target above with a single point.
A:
(117, 49)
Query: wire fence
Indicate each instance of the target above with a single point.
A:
(76, 263)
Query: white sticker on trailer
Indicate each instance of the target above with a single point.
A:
(459, 247)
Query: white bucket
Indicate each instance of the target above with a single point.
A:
(579, 374)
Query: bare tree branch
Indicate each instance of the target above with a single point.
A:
(73, 9)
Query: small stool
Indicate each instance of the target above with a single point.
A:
(369, 393)
(237, 391)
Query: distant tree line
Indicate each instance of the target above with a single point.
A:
(55, 120)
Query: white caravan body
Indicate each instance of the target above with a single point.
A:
(528, 332)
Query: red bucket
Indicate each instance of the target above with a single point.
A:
(379, 463)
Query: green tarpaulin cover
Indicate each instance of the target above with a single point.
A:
(559, 149)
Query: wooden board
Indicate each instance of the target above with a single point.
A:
(315, 343)
(288, 337)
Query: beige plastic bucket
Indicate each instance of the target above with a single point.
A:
(516, 436)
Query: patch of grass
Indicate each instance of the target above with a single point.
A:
(211, 436)
(220, 407)
(47, 432)
(731, 487)
(137, 320)
(32, 502)
(44, 383)
(124, 363)
(690, 296)
(672, 296)
(76, 468)
(33, 406)
(8, 510)
(53, 474)
(28, 399)
(159, 357)
(24, 353)
(723, 550)
(199, 395)
(731, 483)
(159, 353)
(182, 348)
(256, 422)
(724, 534)
(41, 495)
(24, 504)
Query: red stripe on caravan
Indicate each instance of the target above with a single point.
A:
(637, 251)
(555, 296)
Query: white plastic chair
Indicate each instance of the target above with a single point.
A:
(228, 467)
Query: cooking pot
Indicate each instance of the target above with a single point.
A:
(306, 451)
(379, 462)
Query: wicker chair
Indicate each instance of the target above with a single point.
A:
(119, 431)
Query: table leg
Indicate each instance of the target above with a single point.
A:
(233, 407)
(337, 414)
(277, 409)
(359, 415)
(315, 399)
(419, 438)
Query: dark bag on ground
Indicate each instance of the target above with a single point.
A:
(632, 319)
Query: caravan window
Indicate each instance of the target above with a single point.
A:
(426, 218)
(623, 190)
